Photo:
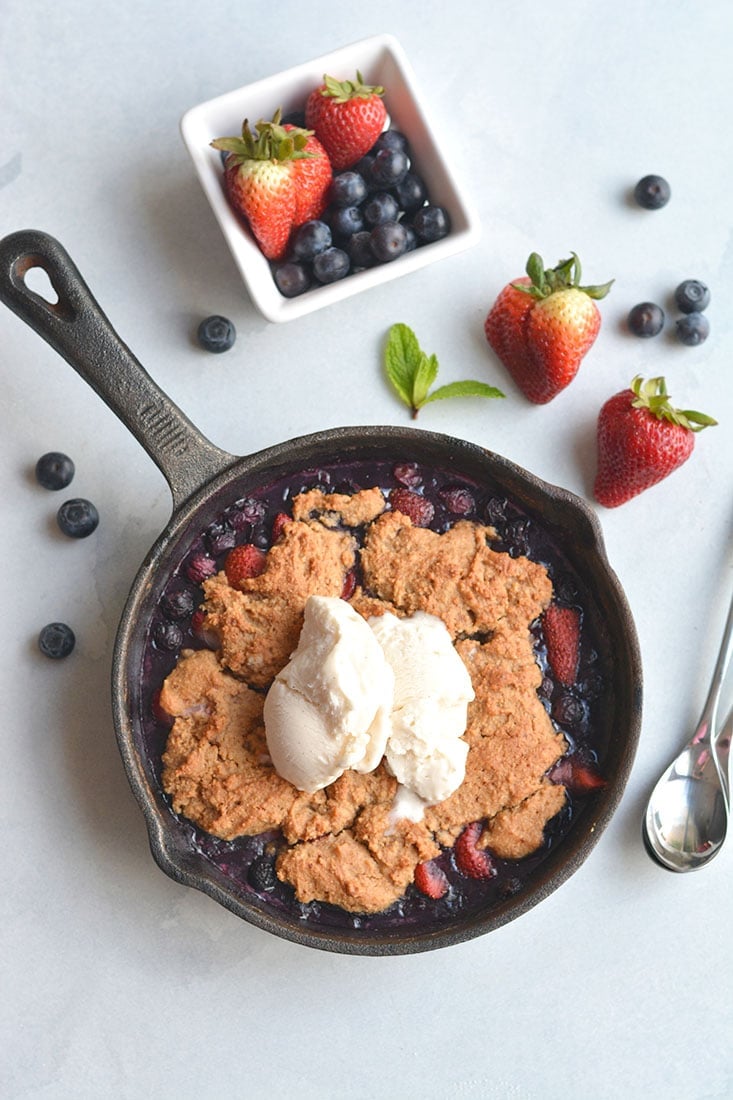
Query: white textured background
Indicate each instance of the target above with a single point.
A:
(121, 983)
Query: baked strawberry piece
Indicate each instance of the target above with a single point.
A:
(561, 627)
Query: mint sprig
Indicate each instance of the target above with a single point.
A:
(412, 372)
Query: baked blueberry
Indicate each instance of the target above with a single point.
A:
(262, 875)
(178, 604)
(216, 334)
(692, 296)
(693, 329)
(77, 518)
(54, 470)
(56, 640)
(646, 319)
(167, 636)
(652, 192)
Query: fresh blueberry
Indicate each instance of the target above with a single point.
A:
(412, 241)
(310, 239)
(652, 192)
(364, 168)
(262, 875)
(390, 139)
(54, 470)
(646, 319)
(693, 329)
(216, 334)
(294, 118)
(167, 636)
(360, 252)
(431, 223)
(380, 208)
(56, 640)
(411, 193)
(345, 221)
(292, 279)
(331, 265)
(347, 189)
(178, 604)
(389, 167)
(77, 518)
(692, 296)
(388, 241)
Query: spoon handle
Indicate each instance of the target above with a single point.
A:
(721, 667)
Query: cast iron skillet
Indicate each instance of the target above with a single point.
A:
(203, 480)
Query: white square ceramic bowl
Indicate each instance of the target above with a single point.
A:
(381, 60)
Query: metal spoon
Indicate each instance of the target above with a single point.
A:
(687, 816)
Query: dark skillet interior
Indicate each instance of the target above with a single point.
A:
(560, 531)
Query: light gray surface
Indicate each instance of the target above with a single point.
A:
(120, 983)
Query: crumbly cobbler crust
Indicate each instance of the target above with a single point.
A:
(343, 844)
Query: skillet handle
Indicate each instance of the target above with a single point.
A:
(77, 329)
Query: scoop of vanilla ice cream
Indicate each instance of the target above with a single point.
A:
(328, 709)
(425, 751)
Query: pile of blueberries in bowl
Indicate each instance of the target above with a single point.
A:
(378, 210)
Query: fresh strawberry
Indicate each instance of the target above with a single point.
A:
(577, 774)
(641, 440)
(312, 176)
(561, 627)
(347, 116)
(541, 326)
(431, 880)
(417, 508)
(244, 562)
(260, 180)
(472, 861)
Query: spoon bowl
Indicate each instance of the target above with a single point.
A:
(687, 815)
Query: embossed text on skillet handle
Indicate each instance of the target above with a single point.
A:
(77, 329)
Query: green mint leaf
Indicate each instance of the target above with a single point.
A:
(411, 372)
(425, 375)
(466, 388)
(402, 360)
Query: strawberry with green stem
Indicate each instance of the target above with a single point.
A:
(641, 440)
(542, 325)
(265, 184)
(347, 116)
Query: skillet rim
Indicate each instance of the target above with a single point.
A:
(443, 451)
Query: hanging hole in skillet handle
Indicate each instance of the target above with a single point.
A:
(38, 282)
(41, 284)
